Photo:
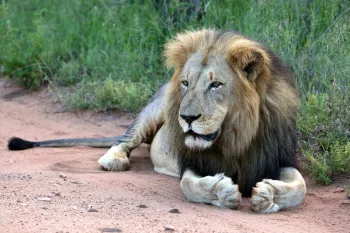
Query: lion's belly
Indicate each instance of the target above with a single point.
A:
(163, 158)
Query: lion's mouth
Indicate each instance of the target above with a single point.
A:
(207, 137)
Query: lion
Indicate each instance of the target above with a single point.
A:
(225, 124)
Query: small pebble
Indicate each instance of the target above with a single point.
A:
(169, 228)
(92, 210)
(44, 208)
(76, 182)
(338, 190)
(44, 199)
(142, 206)
(63, 176)
(111, 230)
(174, 211)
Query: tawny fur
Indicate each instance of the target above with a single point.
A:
(266, 98)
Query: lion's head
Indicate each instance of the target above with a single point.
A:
(223, 89)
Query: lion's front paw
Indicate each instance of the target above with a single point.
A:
(115, 160)
(225, 192)
(263, 198)
(228, 194)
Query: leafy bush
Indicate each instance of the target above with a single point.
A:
(324, 123)
(322, 167)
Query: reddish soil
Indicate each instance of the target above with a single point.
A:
(83, 198)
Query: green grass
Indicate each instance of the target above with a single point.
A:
(324, 125)
(105, 51)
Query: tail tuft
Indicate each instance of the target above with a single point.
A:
(19, 144)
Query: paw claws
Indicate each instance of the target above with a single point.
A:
(262, 199)
(219, 176)
(228, 194)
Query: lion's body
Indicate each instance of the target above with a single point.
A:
(259, 134)
(225, 124)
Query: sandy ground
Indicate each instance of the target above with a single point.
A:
(64, 190)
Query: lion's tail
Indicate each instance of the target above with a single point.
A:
(20, 144)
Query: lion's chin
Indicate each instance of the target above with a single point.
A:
(197, 143)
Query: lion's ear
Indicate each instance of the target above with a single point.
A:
(250, 61)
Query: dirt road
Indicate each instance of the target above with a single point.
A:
(64, 190)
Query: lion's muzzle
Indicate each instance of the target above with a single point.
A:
(200, 134)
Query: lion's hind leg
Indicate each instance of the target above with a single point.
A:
(142, 130)
(273, 195)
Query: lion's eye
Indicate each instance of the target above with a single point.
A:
(184, 83)
(216, 84)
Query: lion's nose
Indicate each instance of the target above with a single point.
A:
(190, 119)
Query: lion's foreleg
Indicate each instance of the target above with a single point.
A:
(272, 195)
(164, 158)
(142, 130)
(217, 190)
